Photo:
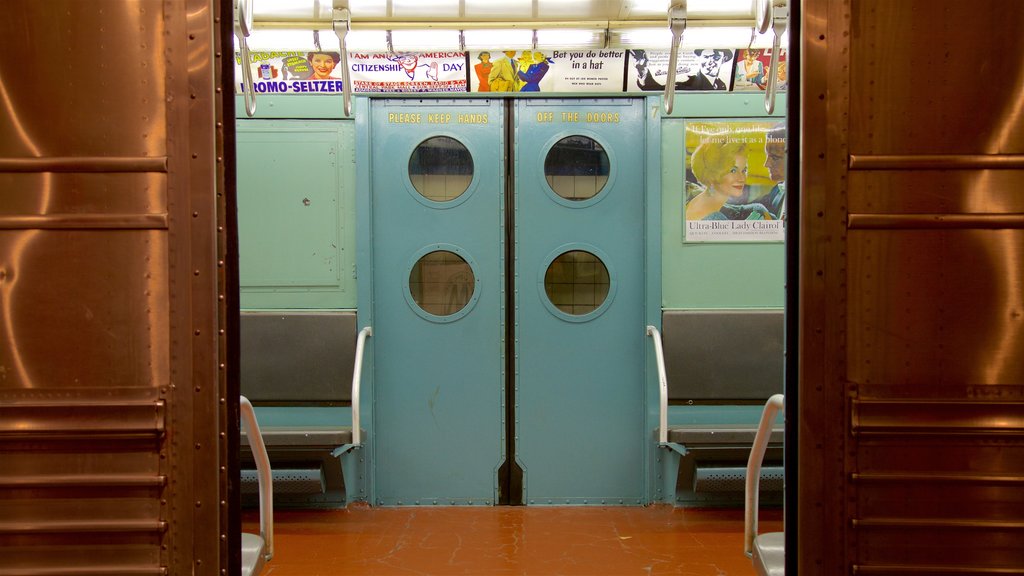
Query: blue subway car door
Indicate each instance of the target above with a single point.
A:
(579, 238)
(436, 194)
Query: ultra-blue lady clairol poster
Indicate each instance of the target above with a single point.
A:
(735, 181)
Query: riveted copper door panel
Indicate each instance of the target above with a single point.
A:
(111, 400)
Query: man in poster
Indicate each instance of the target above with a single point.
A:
(775, 161)
(710, 66)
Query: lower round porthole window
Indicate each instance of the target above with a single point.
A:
(442, 283)
(577, 282)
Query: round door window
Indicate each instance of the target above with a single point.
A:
(576, 168)
(441, 283)
(577, 282)
(441, 168)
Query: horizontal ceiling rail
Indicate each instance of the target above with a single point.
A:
(493, 24)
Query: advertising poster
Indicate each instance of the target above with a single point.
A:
(296, 72)
(752, 70)
(700, 69)
(408, 72)
(735, 184)
(546, 70)
(292, 72)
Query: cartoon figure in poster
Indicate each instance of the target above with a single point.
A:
(503, 75)
(410, 63)
(706, 78)
(750, 70)
(532, 68)
(296, 68)
(775, 151)
(483, 71)
(721, 169)
(322, 64)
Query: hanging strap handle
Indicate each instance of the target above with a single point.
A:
(676, 23)
(342, 24)
(243, 28)
(780, 23)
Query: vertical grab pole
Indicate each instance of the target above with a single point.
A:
(342, 24)
(780, 22)
(676, 23)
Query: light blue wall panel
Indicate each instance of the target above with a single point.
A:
(296, 214)
(712, 275)
(294, 106)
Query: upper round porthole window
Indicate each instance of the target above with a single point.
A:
(577, 168)
(441, 168)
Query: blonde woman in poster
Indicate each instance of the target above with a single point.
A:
(532, 68)
(721, 169)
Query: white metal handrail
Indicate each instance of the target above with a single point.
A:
(263, 474)
(659, 353)
(764, 432)
(357, 373)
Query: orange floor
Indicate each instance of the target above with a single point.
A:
(510, 540)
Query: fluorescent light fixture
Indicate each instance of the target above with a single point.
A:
(659, 38)
(424, 8)
(559, 9)
(693, 37)
(367, 8)
(498, 39)
(719, 8)
(566, 38)
(700, 9)
(284, 40)
(494, 9)
(367, 41)
(424, 40)
(724, 37)
(290, 10)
